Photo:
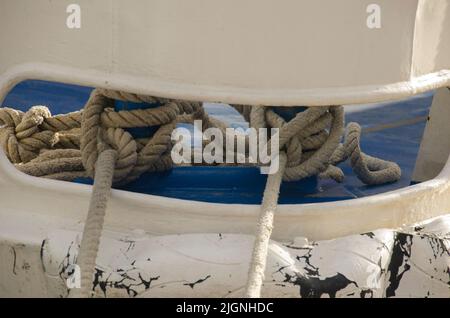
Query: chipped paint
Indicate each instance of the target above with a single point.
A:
(412, 262)
(199, 281)
(14, 260)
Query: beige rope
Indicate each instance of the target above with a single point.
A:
(94, 223)
(264, 231)
(369, 170)
(312, 144)
(307, 132)
(311, 139)
(26, 136)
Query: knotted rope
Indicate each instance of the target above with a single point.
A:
(65, 147)
(311, 141)
(307, 148)
(93, 143)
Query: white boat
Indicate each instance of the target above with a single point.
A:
(309, 53)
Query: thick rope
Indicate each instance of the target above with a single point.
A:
(311, 139)
(312, 144)
(25, 137)
(264, 231)
(307, 132)
(94, 222)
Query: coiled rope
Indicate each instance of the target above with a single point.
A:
(93, 143)
(65, 147)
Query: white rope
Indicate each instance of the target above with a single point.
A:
(264, 231)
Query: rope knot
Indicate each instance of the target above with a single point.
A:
(311, 141)
(101, 124)
(22, 136)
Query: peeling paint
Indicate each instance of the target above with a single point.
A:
(201, 280)
(14, 260)
(382, 263)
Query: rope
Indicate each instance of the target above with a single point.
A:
(93, 143)
(369, 170)
(307, 132)
(264, 231)
(312, 144)
(65, 146)
(94, 223)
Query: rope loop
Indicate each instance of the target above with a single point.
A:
(312, 143)
(101, 123)
(21, 135)
(369, 170)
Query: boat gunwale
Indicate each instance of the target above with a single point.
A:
(225, 94)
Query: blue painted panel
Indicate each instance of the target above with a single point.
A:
(288, 113)
(59, 98)
(137, 132)
(222, 185)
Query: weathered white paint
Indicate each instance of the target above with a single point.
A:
(257, 52)
(410, 262)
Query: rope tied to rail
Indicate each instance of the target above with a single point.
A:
(93, 143)
(307, 148)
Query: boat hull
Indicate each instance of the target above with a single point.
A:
(410, 262)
